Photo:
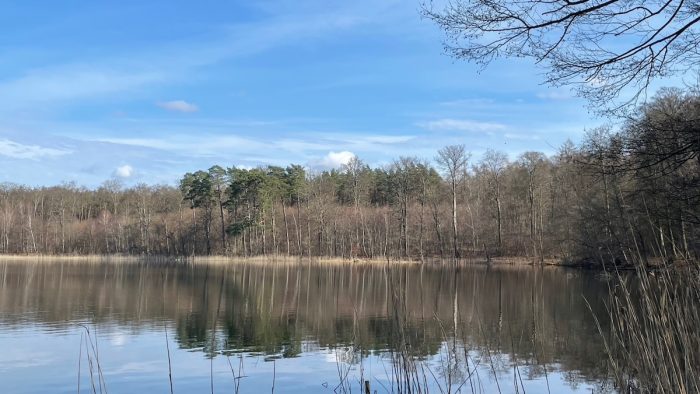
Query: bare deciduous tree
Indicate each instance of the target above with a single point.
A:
(453, 159)
(494, 164)
(598, 46)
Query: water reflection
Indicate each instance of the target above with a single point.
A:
(535, 318)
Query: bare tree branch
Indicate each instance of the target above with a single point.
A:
(601, 48)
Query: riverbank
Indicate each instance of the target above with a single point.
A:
(500, 261)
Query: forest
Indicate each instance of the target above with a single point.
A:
(624, 193)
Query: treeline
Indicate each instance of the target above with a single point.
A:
(629, 195)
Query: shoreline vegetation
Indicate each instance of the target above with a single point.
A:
(114, 258)
(652, 267)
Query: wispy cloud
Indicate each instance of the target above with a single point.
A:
(522, 137)
(449, 124)
(554, 95)
(16, 150)
(88, 78)
(195, 145)
(178, 106)
(166, 63)
(66, 83)
(389, 139)
(469, 102)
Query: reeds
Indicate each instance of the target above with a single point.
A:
(236, 379)
(653, 343)
(93, 359)
(170, 366)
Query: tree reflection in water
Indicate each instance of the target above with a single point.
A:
(521, 321)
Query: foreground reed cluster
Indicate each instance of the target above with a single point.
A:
(653, 342)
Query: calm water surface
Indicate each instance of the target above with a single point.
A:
(302, 327)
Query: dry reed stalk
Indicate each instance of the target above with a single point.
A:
(167, 347)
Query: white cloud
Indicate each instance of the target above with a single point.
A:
(449, 124)
(335, 159)
(178, 106)
(124, 171)
(16, 150)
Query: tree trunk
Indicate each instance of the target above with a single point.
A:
(498, 221)
(436, 221)
(454, 219)
(224, 247)
(286, 227)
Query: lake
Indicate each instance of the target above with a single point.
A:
(298, 327)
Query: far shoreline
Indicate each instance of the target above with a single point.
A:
(222, 259)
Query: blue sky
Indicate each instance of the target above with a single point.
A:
(145, 91)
